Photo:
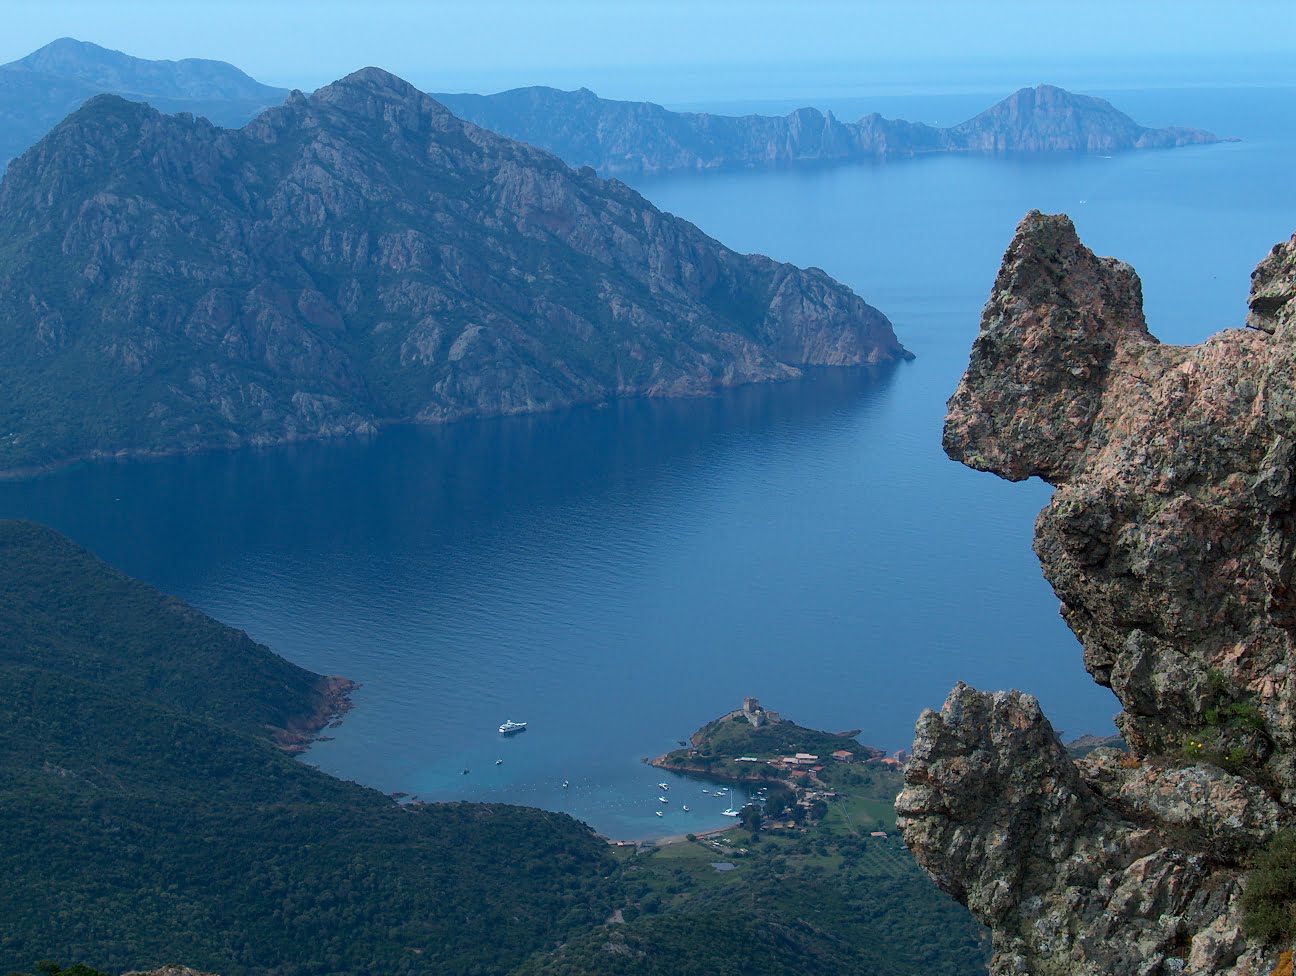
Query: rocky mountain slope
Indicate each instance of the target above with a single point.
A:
(355, 257)
(640, 137)
(1170, 542)
(37, 91)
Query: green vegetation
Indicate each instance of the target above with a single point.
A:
(147, 820)
(150, 817)
(1269, 902)
(717, 745)
(830, 900)
(1234, 736)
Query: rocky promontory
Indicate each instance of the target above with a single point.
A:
(357, 257)
(1169, 540)
(617, 137)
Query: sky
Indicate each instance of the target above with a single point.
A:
(621, 48)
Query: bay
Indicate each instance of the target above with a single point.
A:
(617, 576)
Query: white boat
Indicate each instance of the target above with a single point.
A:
(512, 728)
(662, 786)
(499, 762)
(685, 808)
(659, 813)
(566, 784)
(706, 791)
(662, 799)
(731, 812)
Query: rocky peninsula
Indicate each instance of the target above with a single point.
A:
(1169, 540)
(617, 137)
(355, 258)
(754, 744)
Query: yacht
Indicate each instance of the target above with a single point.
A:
(662, 799)
(662, 786)
(731, 812)
(659, 813)
(511, 728)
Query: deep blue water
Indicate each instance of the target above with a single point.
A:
(618, 576)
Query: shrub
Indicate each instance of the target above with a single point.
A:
(1269, 902)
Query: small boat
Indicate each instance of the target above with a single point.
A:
(731, 812)
(499, 762)
(512, 728)
(659, 813)
(465, 772)
(566, 784)
(662, 799)
(706, 791)
(662, 786)
(685, 808)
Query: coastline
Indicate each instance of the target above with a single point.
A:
(333, 701)
(759, 774)
(373, 426)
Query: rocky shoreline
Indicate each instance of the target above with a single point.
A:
(333, 702)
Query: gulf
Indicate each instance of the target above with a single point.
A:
(617, 576)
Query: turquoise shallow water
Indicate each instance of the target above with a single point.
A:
(618, 576)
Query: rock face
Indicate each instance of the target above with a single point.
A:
(355, 257)
(639, 137)
(1169, 541)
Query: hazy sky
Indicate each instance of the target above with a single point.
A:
(305, 43)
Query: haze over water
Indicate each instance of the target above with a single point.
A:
(618, 576)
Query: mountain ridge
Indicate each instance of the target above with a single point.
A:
(620, 137)
(42, 88)
(357, 257)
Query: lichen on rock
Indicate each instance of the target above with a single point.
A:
(1169, 541)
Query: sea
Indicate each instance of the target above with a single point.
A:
(618, 576)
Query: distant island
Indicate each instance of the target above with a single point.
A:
(624, 138)
(613, 137)
(355, 258)
(39, 90)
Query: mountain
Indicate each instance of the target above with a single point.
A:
(37, 91)
(640, 137)
(1169, 541)
(359, 257)
(151, 815)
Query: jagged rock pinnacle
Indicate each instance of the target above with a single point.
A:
(1171, 542)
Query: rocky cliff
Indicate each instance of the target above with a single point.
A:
(355, 257)
(640, 137)
(1169, 540)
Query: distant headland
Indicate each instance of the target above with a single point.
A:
(626, 138)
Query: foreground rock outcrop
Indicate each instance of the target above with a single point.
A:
(1169, 541)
